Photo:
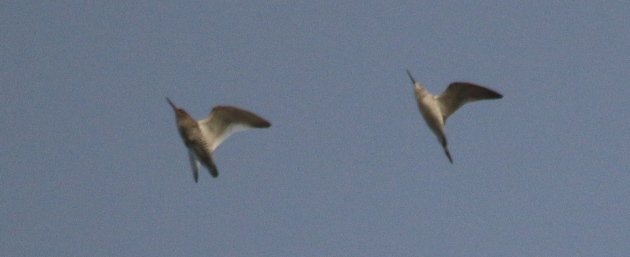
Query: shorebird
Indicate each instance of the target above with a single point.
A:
(204, 136)
(436, 109)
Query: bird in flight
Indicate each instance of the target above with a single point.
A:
(204, 136)
(436, 109)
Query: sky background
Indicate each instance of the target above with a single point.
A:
(91, 163)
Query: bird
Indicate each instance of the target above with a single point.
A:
(436, 109)
(202, 137)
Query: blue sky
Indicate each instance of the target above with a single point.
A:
(91, 163)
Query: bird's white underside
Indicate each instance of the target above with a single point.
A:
(214, 136)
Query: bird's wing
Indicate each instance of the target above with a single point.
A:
(203, 154)
(224, 121)
(209, 163)
(194, 164)
(459, 93)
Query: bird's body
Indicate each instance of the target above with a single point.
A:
(204, 136)
(436, 109)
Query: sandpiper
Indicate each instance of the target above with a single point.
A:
(204, 136)
(436, 109)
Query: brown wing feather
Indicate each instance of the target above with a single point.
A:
(231, 114)
(459, 93)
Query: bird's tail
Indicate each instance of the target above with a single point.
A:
(448, 155)
(445, 146)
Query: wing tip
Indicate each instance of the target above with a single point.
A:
(487, 92)
(262, 124)
(494, 94)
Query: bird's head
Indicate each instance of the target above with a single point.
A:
(417, 87)
(179, 112)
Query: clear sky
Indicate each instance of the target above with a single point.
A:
(91, 163)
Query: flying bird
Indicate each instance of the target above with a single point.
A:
(436, 109)
(204, 136)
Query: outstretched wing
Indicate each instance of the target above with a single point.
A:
(459, 93)
(224, 121)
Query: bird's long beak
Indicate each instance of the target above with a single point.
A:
(411, 77)
(171, 103)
